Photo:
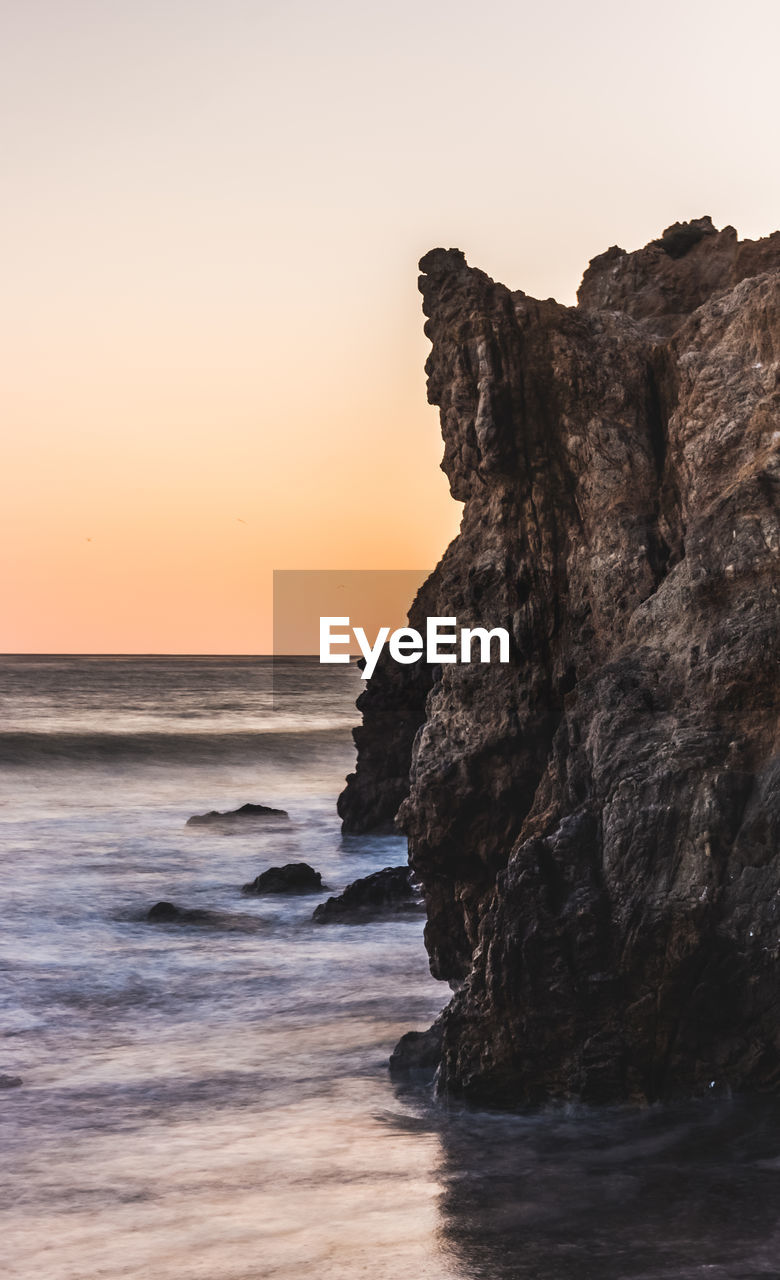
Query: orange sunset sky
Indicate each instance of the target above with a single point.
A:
(212, 339)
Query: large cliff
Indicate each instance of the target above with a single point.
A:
(596, 824)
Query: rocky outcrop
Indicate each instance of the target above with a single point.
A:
(393, 706)
(245, 816)
(293, 877)
(391, 891)
(595, 824)
(168, 913)
(663, 283)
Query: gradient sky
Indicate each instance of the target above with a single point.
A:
(213, 212)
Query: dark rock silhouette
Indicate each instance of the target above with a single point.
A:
(595, 824)
(10, 1082)
(395, 711)
(246, 814)
(164, 911)
(388, 892)
(294, 877)
(417, 1052)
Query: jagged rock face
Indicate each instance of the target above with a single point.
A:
(596, 824)
(664, 282)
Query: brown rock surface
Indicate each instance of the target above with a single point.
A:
(596, 824)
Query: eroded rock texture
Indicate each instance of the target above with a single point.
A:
(596, 824)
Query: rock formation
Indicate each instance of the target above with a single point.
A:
(247, 814)
(389, 892)
(293, 877)
(595, 825)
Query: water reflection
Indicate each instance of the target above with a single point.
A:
(574, 1194)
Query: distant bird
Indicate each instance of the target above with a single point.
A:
(87, 539)
(240, 521)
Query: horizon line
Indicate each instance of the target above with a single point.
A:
(45, 653)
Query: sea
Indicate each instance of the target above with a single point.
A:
(211, 1100)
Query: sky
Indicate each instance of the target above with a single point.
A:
(212, 213)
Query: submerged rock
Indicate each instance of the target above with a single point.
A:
(386, 892)
(294, 877)
(596, 823)
(247, 813)
(169, 913)
(164, 911)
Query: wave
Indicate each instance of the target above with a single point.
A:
(23, 748)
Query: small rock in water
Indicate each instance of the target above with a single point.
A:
(418, 1052)
(294, 877)
(10, 1082)
(169, 913)
(164, 911)
(247, 813)
(384, 893)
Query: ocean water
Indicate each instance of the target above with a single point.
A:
(212, 1102)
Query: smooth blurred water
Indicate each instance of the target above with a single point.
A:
(213, 1101)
